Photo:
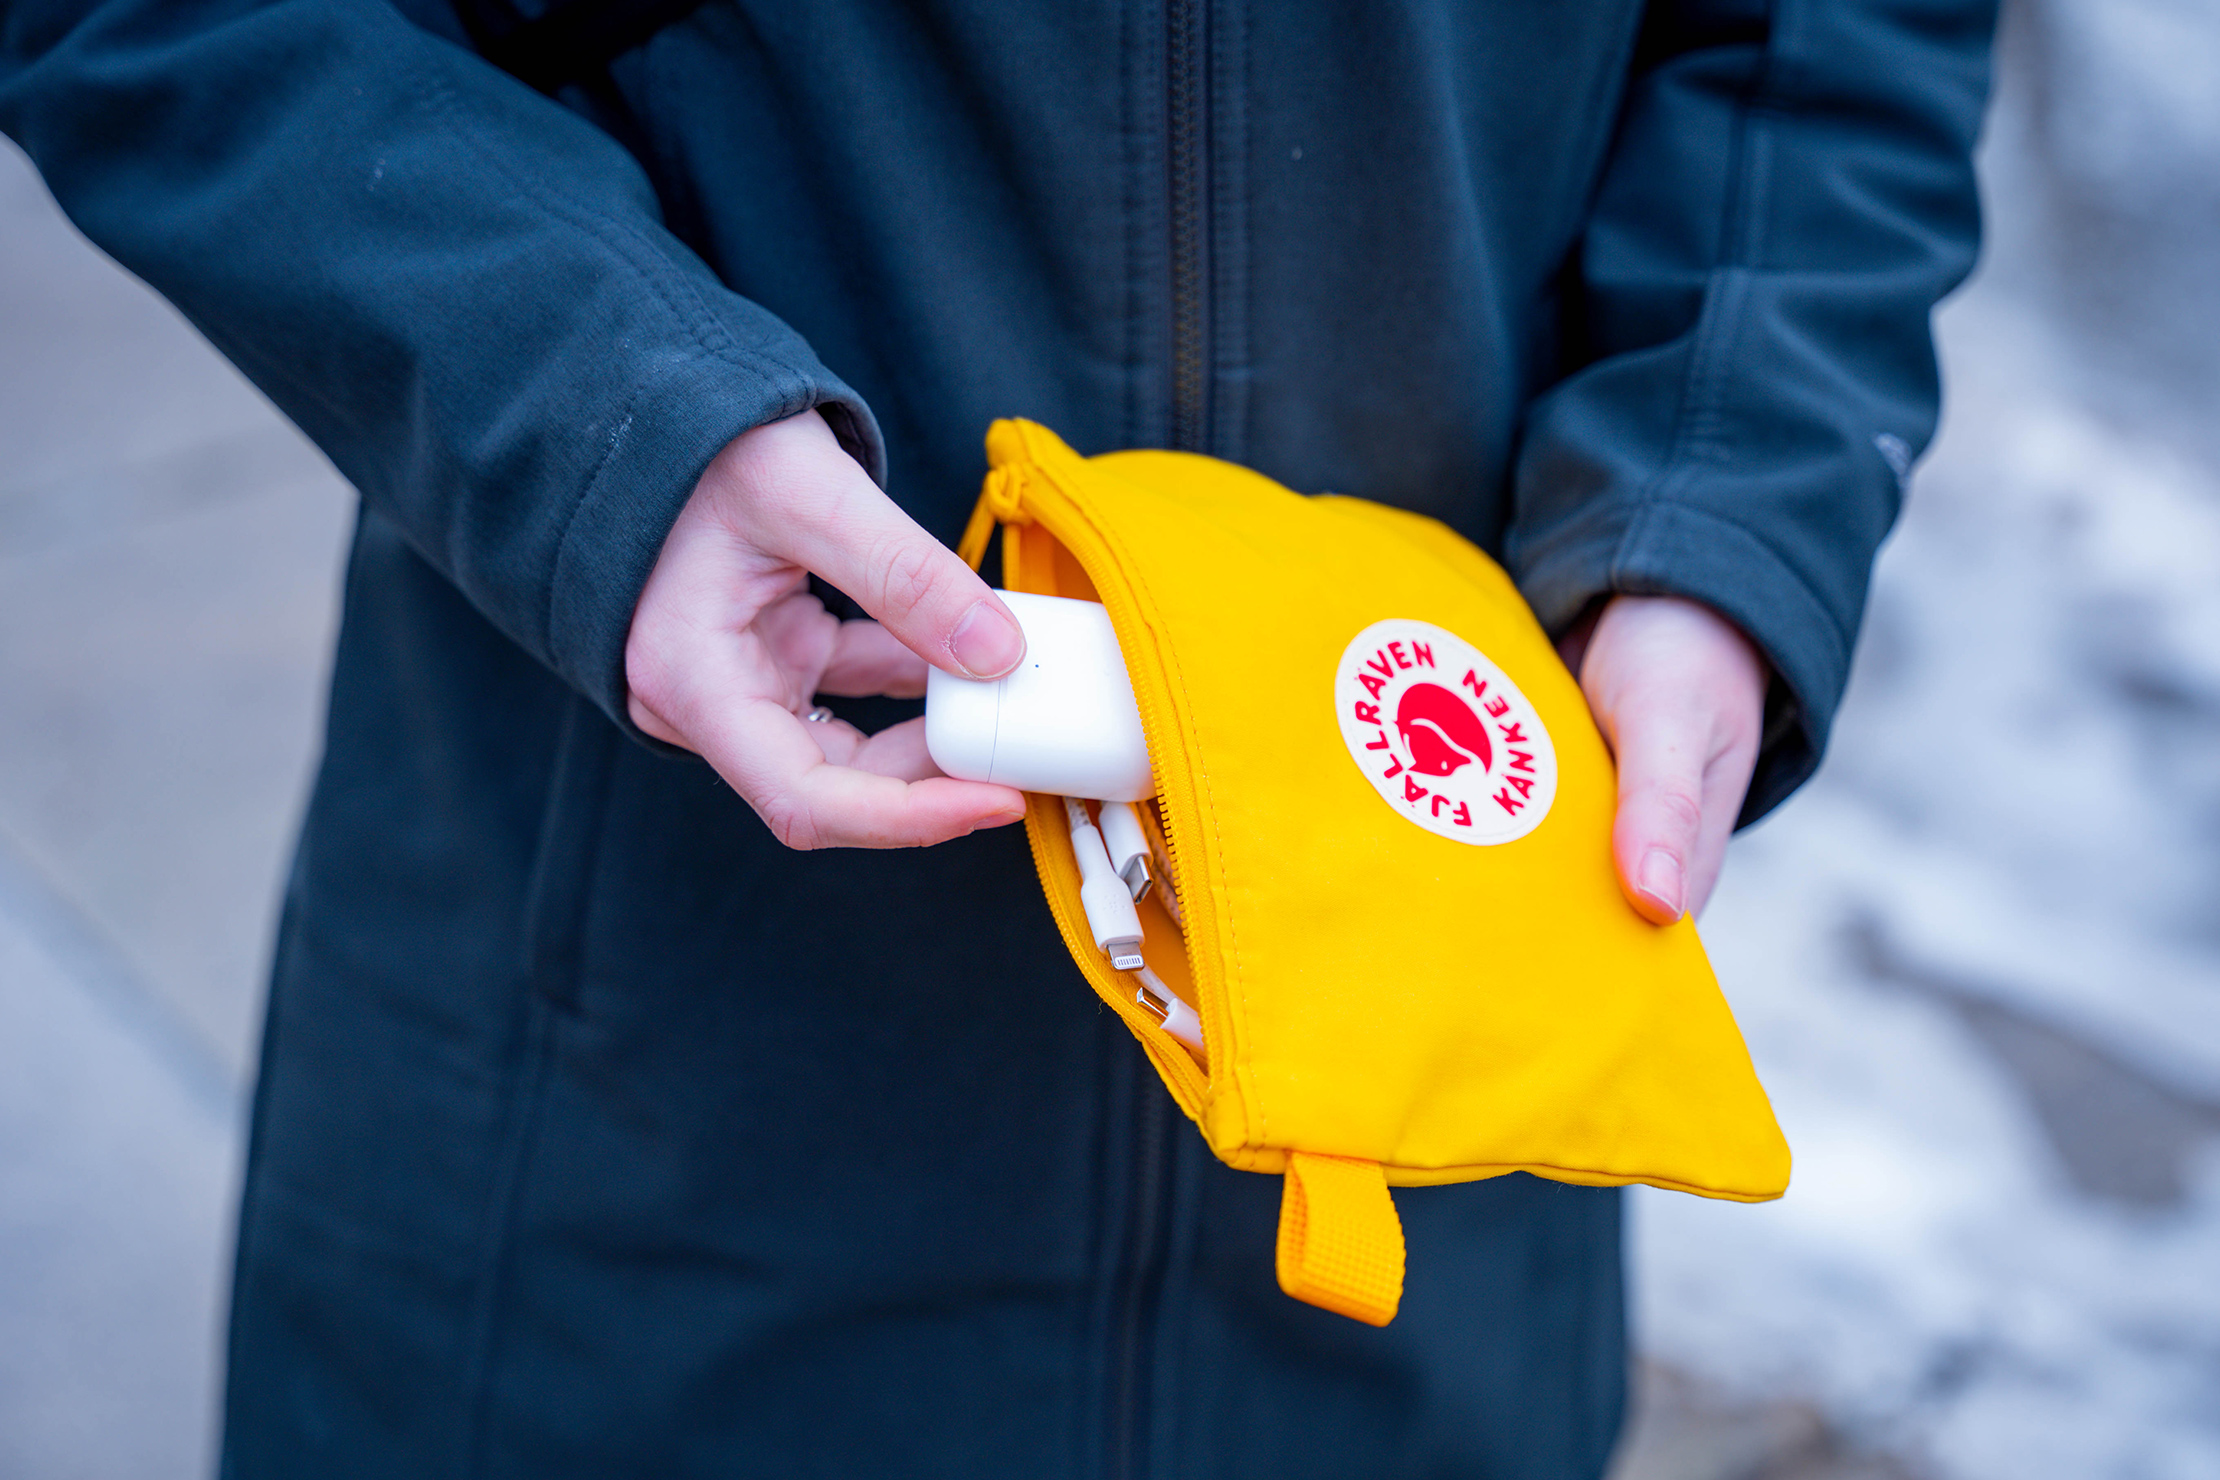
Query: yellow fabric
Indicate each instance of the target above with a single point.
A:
(1341, 1245)
(1375, 982)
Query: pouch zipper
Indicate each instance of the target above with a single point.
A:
(1178, 805)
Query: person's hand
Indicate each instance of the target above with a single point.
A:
(1680, 695)
(727, 646)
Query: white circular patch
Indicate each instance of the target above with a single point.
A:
(1442, 735)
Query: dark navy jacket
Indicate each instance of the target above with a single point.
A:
(596, 1135)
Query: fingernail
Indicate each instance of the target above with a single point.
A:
(986, 643)
(1660, 880)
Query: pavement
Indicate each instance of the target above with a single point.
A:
(168, 554)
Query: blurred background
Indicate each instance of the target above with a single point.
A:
(1977, 960)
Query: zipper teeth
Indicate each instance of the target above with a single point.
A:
(1175, 804)
(1171, 849)
(1129, 1453)
(1178, 806)
(1184, 85)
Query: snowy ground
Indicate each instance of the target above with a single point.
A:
(1978, 960)
(1979, 968)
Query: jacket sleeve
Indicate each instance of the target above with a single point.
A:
(457, 288)
(1752, 370)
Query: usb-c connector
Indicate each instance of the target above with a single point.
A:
(1178, 1018)
(1129, 847)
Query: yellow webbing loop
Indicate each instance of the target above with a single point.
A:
(972, 548)
(999, 500)
(1341, 1245)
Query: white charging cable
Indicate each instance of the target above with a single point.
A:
(1165, 1006)
(1107, 894)
(1106, 898)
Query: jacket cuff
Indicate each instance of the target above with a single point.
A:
(667, 433)
(1670, 549)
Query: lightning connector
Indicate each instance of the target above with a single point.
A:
(1106, 898)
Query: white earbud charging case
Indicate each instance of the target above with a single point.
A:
(1063, 722)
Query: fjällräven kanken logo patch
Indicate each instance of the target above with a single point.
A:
(1443, 736)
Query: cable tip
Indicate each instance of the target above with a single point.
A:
(1136, 876)
(1125, 955)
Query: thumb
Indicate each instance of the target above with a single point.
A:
(805, 500)
(1679, 692)
(1660, 819)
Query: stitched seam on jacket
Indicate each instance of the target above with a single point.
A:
(613, 237)
(1696, 415)
(1650, 516)
(498, 1237)
(545, 1006)
(559, 889)
(625, 244)
(1610, 88)
(625, 248)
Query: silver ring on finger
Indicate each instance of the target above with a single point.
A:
(817, 715)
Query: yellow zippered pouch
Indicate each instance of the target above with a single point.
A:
(1388, 818)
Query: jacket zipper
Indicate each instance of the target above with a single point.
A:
(1149, 1235)
(1187, 83)
(1187, 143)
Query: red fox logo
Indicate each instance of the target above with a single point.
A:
(1430, 748)
(1440, 732)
